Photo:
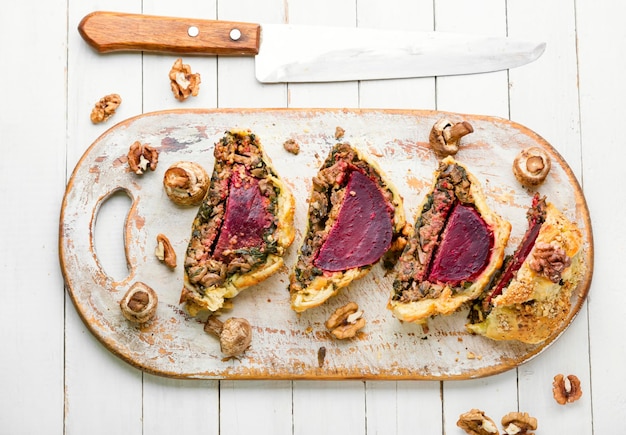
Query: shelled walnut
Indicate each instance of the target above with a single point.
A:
(518, 423)
(475, 422)
(105, 108)
(165, 252)
(549, 260)
(139, 304)
(566, 389)
(142, 157)
(184, 83)
(346, 321)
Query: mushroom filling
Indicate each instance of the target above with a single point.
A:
(451, 244)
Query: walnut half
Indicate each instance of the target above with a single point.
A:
(183, 82)
(518, 423)
(165, 252)
(549, 260)
(142, 157)
(475, 422)
(105, 108)
(566, 389)
(346, 321)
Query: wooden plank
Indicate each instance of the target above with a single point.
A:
(259, 407)
(393, 407)
(103, 394)
(600, 37)
(174, 405)
(486, 94)
(32, 132)
(179, 406)
(252, 407)
(328, 407)
(545, 95)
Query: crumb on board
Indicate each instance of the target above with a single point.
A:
(292, 146)
(339, 132)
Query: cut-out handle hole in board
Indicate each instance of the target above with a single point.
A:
(108, 231)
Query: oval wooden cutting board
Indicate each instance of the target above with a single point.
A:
(287, 345)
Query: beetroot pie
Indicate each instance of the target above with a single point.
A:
(242, 228)
(456, 247)
(355, 218)
(530, 298)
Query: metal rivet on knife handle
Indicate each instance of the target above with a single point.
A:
(235, 34)
(193, 31)
(116, 31)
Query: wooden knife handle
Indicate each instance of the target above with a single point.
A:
(112, 31)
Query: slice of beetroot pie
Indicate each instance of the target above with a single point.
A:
(355, 217)
(530, 299)
(242, 227)
(456, 247)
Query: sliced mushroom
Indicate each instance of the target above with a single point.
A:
(531, 166)
(445, 136)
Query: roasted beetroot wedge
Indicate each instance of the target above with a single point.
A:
(456, 247)
(242, 227)
(355, 218)
(530, 299)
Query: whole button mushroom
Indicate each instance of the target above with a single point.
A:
(139, 304)
(531, 166)
(186, 183)
(445, 136)
(235, 334)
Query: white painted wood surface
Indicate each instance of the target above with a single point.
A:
(56, 378)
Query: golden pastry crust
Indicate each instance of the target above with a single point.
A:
(306, 294)
(222, 279)
(449, 299)
(533, 306)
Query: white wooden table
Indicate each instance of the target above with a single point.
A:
(55, 377)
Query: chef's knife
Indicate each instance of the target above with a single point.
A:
(289, 53)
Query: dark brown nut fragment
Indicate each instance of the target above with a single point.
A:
(105, 108)
(531, 166)
(549, 260)
(475, 422)
(184, 83)
(292, 146)
(165, 252)
(339, 132)
(518, 423)
(235, 334)
(346, 321)
(445, 136)
(186, 183)
(566, 389)
(139, 304)
(142, 157)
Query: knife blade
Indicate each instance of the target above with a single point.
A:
(290, 53)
